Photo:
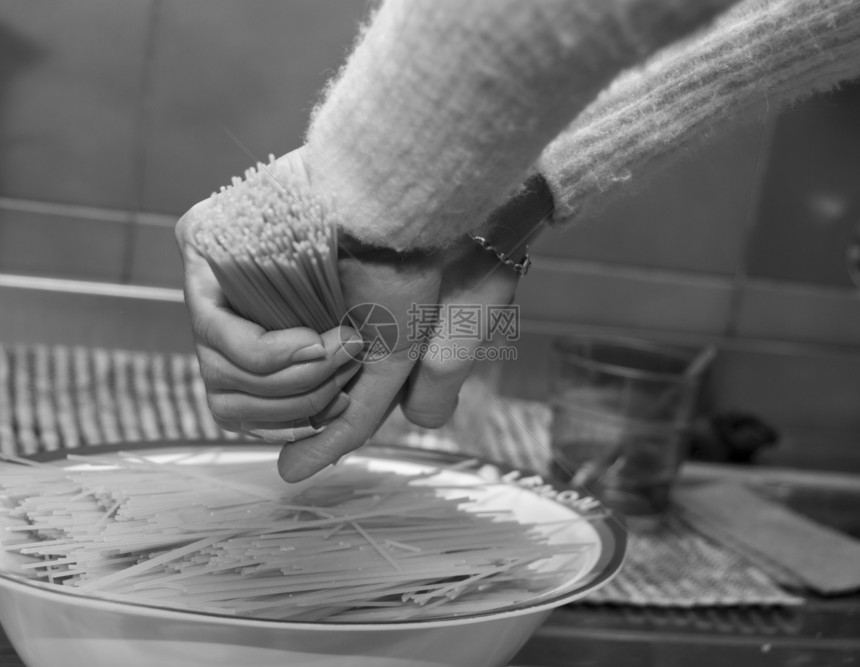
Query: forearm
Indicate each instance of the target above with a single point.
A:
(445, 104)
(757, 57)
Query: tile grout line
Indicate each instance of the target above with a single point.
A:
(142, 128)
(77, 287)
(754, 344)
(545, 262)
(81, 212)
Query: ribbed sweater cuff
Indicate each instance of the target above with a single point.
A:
(754, 59)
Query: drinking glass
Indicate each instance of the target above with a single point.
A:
(621, 410)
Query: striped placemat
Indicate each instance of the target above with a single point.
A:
(671, 565)
(54, 398)
(66, 397)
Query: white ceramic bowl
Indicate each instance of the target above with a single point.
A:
(51, 627)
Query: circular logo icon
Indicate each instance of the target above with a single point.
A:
(377, 326)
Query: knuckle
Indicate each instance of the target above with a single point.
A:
(221, 406)
(315, 403)
(216, 375)
(227, 424)
(295, 466)
(182, 229)
(436, 371)
(202, 327)
(261, 360)
(186, 221)
(424, 418)
(273, 435)
(303, 382)
(210, 374)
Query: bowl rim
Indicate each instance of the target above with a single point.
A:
(609, 527)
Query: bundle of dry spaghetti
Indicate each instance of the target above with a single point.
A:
(358, 544)
(272, 244)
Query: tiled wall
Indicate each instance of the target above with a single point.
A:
(143, 108)
(116, 117)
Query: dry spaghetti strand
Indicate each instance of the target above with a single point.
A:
(272, 246)
(358, 544)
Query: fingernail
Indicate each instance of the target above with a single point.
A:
(340, 403)
(309, 353)
(350, 349)
(345, 373)
(331, 411)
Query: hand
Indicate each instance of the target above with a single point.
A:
(278, 385)
(464, 274)
(395, 282)
(270, 383)
(473, 276)
(470, 276)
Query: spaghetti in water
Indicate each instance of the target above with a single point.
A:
(358, 544)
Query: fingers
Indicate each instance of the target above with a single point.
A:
(221, 373)
(472, 277)
(370, 399)
(298, 431)
(289, 431)
(394, 286)
(237, 408)
(331, 411)
(292, 431)
(245, 344)
(263, 382)
(434, 387)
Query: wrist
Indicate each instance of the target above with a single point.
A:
(350, 247)
(513, 226)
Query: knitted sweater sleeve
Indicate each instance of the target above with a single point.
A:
(444, 105)
(758, 56)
